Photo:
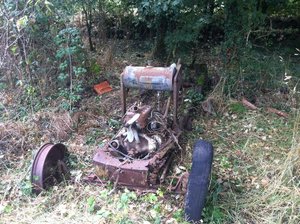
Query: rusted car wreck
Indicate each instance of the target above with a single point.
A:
(141, 152)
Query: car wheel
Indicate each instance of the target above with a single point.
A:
(198, 182)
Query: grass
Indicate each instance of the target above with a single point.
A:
(256, 168)
(255, 175)
(255, 179)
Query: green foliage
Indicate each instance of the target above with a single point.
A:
(8, 209)
(254, 70)
(31, 28)
(104, 213)
(91, 204)
(193, 99)
(71, 56)
(237, 108)
(126, 197)
(241, 18)
(212, 212)
(43, 43)
(114, 124)
(151, 198)
(95, 68)
(26, 187)
(194, 96)
(92, 137)
(157, 9)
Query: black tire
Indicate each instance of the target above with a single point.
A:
(198, 182)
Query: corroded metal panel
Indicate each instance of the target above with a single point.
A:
(153, 78)
(131, 173)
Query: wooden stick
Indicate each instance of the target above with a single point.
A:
(278, 112)
(246, 103)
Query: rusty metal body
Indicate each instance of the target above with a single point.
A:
(48, 167)
(140, 152)
(136, 173)
(153, 78)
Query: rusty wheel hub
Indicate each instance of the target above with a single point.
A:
(48, 167)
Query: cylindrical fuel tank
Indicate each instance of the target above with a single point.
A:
(152, 78)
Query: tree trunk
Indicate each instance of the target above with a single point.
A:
(160, 47)
(101, 25)
(88, 22)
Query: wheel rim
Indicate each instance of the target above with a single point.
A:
(48, 168)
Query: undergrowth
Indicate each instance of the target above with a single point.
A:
(255, 177)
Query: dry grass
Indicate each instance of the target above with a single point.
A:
(256, 175)
(69, 201)
(279, 199)
(256, 170)
(275, 200)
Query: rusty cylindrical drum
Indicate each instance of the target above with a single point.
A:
(152, 78)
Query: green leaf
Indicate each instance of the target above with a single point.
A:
(8, 209)
(14, 49)
(60, 53)
(62, 76)
(91, 204)
(22, 22)
(103, 213)
(63, 66)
